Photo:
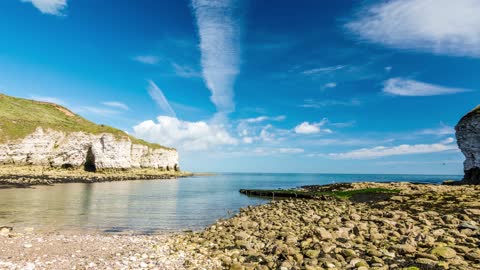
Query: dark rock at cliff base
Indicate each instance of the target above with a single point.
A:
(468, 139)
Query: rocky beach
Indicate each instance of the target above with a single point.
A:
(416, 226)
(25, 176)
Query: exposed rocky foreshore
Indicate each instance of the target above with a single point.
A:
(24, 176)
(421, 227)
(415, 227)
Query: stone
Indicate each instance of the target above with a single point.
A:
(324, 234)
(5, 230)
(312, 253)
(474, 255)
(405, 249)
(241, 235)
(444, 252)
(355, 217)
(349, 253)
(374, 252)
(467, 225)
(425, 261)
(427, 256)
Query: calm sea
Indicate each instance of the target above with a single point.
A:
(156, 206)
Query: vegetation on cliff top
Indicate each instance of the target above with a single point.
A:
(20, 117)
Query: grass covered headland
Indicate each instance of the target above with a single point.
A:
(20, 117)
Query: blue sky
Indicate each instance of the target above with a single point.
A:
(248, 86)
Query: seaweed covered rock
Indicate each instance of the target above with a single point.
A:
(468, 139)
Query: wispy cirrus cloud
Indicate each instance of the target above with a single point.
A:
(185, 71)
(442, 130)
(407, 87)
(52, 7)
(404, 149)
(147, 59)
(157, 95)
(317, 104)
(49, 99)
(116, 104)
(100, 111)
(329, 85)
(436, 26)
(321, 70)
(219, 31)
(263, 118)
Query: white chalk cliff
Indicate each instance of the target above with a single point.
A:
(468, 139)
(47, 147)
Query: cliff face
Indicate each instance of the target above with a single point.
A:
(83, 150)
(47, 134)
(468, 139)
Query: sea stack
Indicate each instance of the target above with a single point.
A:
(468, 139)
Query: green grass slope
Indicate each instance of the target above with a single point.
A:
(20, 117)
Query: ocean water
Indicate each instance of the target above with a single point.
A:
(157, 205)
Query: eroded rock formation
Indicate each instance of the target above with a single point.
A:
(83, 150)
(468, 139)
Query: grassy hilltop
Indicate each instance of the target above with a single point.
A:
(20, 117)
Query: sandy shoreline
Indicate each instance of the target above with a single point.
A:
(419, 227)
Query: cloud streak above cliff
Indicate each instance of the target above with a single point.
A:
(219, 32)
(157, 95)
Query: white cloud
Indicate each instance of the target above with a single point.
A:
(404, 149)
(442, 130)
(52, 7)
(157, 95)
(317, 104)
(323, 70)
(147, 59)
(344, 124)
(438, 26)
(275, 151)
(406, 87)
(388, 69)
(263, 118)
(219, 29)
(116, 104)
(313, 128)
(185, 71)
(48, 99)
(189, 136)
(330, 85)
(97, 110)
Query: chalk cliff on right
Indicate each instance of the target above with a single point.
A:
(468, 139)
